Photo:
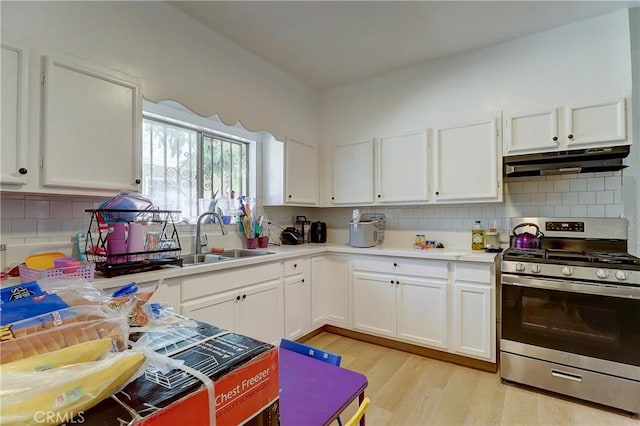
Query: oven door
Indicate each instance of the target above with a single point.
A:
(592, 320)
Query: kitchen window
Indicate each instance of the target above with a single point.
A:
(186, 167)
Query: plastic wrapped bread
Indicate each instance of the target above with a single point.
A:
(58, 395)
(62, 328)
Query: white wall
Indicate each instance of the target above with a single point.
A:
(579, 62)
(176, 58)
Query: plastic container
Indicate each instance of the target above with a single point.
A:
(84, 270)
(252, 243)
(3, 262)
(477, 236)
(3, 258)
(492, 237)
(62, 262)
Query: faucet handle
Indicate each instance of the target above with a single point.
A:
(203, 240)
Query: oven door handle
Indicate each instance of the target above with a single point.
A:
(626, 292)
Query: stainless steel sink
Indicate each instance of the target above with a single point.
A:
(235, 253)
(227, 255)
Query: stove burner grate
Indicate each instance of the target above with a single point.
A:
(560, 256)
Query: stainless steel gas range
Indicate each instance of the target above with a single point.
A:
(571, 311)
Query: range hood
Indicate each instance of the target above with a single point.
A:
(562, 162)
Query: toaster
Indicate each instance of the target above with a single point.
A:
(291, 236)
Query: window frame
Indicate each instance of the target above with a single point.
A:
(248, 166)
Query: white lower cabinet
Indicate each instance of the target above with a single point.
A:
(422, 311)
(374, 304)
(401, 298)
(474, 311)
(441, 304)
(330, 284)
(243, 300)
(297, 298)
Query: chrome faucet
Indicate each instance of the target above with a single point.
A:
(200, 241)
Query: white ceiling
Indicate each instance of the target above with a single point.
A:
(326, 44)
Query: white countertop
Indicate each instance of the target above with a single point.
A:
(285, 252)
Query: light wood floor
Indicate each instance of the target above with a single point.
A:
(407, 389)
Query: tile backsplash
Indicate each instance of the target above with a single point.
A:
(583, 195)
(33, 219)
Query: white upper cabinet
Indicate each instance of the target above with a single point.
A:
(403, 168)
(13, 166)
(530, 131)
(465, 162)
(587, 125)
(91, 127)
(353, 173)
(301, 173)
(596, 124)
(290, 172)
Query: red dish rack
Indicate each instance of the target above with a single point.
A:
(164, 249)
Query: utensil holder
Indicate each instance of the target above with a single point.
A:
(252, 243)
(263, 242)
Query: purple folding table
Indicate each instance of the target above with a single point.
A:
(314, 393)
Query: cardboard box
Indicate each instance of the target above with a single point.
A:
(243, 372)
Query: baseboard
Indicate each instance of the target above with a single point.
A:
(405, 347)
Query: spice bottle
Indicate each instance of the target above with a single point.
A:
(477, 236)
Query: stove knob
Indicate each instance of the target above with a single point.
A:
(535, 269)
(621, 275)
(602, 273)
(567, 270)
(519, 267)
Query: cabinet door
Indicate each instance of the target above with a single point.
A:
(466, 166)
(297, 305)
(531, 131)
(272, 171)
(301, 170)
(473, 329)
(92, 119)
(374, 304)
(220, 310)
(330, 283)
(403, 168)
(353, 173)
(13, 166)
(260, 311)
(422, 311)
(596, 124)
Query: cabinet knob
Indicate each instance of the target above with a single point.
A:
(392, 282)
(379, 196)
(295, 265)
(23, 171)
(333, 198)
(555, 138)
(238, 297)
(303, 280)
(244, 296)
(289, 196)
(437, 192)
(570, 136)
(395, 264)
(138, 181)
